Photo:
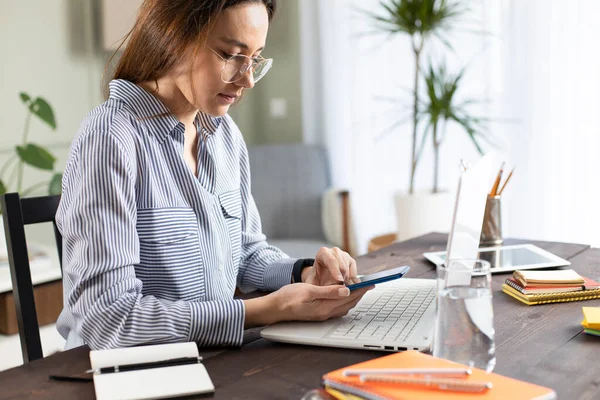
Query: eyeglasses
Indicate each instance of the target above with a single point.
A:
(238, 65)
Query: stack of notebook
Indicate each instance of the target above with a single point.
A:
(552, 286)
(591, 320)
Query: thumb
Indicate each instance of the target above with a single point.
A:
(332, 292)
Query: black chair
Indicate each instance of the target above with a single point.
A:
(18, 213)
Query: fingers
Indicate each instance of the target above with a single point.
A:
(327, 259)
(336, 262)
(353, 300)
(335, 292)
(326, 302)
(353, 273)
(341, 261)
(331, 292)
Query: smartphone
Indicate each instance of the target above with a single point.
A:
(379, 277)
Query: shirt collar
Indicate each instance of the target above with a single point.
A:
(145, 106)
(208, 122)
(152, 112)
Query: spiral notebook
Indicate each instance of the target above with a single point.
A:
(588, 284)
(542, 298)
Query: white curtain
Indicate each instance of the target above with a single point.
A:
(548, 79)
(538, 69)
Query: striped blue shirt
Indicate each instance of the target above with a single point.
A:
(152, 253)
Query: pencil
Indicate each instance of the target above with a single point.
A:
(458, 372)
(494, 190)
(505, 182)
(458, 385)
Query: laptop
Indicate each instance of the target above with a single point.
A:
(400, 314)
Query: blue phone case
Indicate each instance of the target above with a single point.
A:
(393, 275)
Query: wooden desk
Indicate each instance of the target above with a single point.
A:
(540, 344)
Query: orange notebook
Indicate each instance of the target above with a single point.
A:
(503, 387)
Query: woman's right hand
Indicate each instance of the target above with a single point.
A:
(306, 302)
(302, 302)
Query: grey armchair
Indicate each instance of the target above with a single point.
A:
(300, 212)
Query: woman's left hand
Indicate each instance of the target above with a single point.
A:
(332, 266)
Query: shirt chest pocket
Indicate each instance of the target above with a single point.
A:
(170, 260)
(231, 206)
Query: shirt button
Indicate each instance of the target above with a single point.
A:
(220, 267)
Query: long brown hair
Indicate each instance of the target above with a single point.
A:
(164, 33)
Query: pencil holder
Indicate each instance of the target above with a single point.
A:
(491, 231)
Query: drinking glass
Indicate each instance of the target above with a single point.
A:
(464, 325)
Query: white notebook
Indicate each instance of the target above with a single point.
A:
(155, 383)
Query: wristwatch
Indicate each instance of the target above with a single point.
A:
(299, 266)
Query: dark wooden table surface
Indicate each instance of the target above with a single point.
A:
(541, 344)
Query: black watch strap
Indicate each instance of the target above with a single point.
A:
(299, 266)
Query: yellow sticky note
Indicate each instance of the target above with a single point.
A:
(591, 317)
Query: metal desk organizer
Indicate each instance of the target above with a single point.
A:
(491, 231)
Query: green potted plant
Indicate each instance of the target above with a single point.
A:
(31, 155)
(422, 20)
(420, 212)
(441, 107)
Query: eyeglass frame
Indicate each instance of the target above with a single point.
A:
(253, 63)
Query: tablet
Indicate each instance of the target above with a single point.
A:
(510, 258)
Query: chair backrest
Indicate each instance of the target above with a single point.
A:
(288, 182)
(18, 213)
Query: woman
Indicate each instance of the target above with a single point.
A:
(158, 222)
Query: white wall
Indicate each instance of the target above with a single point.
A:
(48, 50)
(254, 113)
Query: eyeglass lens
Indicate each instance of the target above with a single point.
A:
(237, 66)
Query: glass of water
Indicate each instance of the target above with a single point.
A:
(464, 325)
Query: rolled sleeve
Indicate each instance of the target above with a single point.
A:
(217, 323)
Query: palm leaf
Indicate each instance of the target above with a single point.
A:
(441, 102)
(422, 17)
(444, 40)
(393, 126)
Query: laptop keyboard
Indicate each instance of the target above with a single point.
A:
(389, 313)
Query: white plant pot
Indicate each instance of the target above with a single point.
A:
(423, 212)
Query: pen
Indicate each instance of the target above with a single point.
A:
(458, 372)
(71, 378)
(458, 385)
(147, 365)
